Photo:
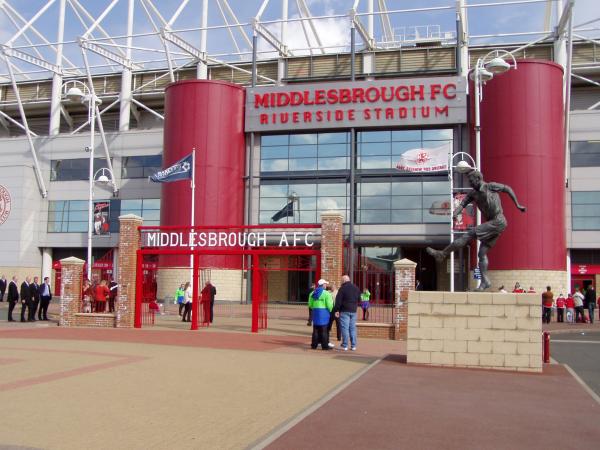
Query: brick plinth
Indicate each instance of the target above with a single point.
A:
(70, 288)
(129, 244)
(332, 236)
(479, 330)
(94, 320)
(405, 281)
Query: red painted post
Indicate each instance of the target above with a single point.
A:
(255, 293)
(195, 303)
(137, 323)
(546, 353)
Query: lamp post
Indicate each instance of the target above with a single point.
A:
(464, 165)
(493, 63)
(78, 92)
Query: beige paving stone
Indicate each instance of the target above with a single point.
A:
(479, 347)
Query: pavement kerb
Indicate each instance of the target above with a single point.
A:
(583, 384)
(289, 424)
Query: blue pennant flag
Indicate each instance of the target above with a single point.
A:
(181, 170)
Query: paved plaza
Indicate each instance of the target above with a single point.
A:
(164, 387)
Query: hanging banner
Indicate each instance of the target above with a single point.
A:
(466, 219)
(101, 218)
(425, 160)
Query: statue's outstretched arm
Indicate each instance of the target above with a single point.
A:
(512, 195)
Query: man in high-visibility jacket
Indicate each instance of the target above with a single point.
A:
(320, 303)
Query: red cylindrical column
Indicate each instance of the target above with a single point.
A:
(208, 116)
(522, 145)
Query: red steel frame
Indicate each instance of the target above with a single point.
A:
(255, 252)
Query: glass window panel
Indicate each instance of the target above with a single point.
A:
(586, 210)
(374, 162)
(339, 163)
(436, 208)
(332, 189)
(303, 151)
(374, 136)
(374, 148)
(303, 164)
(131, 204)
(586, 223)
(585, 147)
(56, 205)
(438, 135)
(407, 188)
(374, 189)
(151, 214)
(54, 227)
(334, 150)
(374, 202)
(307, 217)
(265, 216)
(331, 138)
(78, 205)
(77, 227)
(585, 198)
(274, 152)
(303, 139)
(274, 190)
(133, 172)
(137, 212)
(406, 135)
(307, 203)
(151, 223)
(435, 144)
(374, 216)
(585, 160)
(436, 187)
(274, 165)
(273, 203)
(303, 190)
(78, 215)
(327, 203)
(406, 202)
(151, 203)
(406, 216)
(274, 139)
(399, 148)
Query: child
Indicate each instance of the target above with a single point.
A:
(365, 299)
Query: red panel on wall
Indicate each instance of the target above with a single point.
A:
(209, 116)
(522, 145)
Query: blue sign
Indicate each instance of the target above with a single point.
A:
(181, 170)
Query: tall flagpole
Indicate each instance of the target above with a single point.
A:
(192, 220)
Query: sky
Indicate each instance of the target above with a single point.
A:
(333, 32)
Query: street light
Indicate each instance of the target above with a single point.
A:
(78, 92)
(463, 166)
(493, 63)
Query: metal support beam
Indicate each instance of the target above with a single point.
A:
(121, 60)
(66, 115)
(36, 164)
(13, 53)
(386, 24)
(563, 22)
(364, 33)
(56, 106)
(182, 44)
(202, 67)
(281, 48)
(305, 14)
(125, 97)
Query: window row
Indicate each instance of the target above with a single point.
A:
(71, 216)
(585, 154)
(585, 210)
(78, 169)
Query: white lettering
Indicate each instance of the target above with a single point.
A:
(282, 240)
(306, 240)
(232, 240)
(262, 239)
(182, 243)
(174, 240)
(222, 239)
(202, 239)
(295, 238)
(212, 239)
(164, 239)
(151, 237)
(192, 239)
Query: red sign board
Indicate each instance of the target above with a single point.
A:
(585, 269)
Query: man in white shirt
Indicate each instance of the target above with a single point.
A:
(45, 297)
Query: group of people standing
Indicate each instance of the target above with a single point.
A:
(577, 307)
(96, 295)
(334, 305)
(34, 297)
(184, 298)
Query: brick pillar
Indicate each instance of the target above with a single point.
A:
(129, 244)
(70, 288)
(332, 236)
(405, 281)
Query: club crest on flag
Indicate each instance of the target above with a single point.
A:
(425, 159)
(181, 170)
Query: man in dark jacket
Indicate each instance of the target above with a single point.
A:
(590, 301)
(346, 302)
(34, 289)
(26, 301)
(3, 284)
(12, 297)
(45, 296)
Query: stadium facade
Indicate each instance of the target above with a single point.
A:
(284, 137)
